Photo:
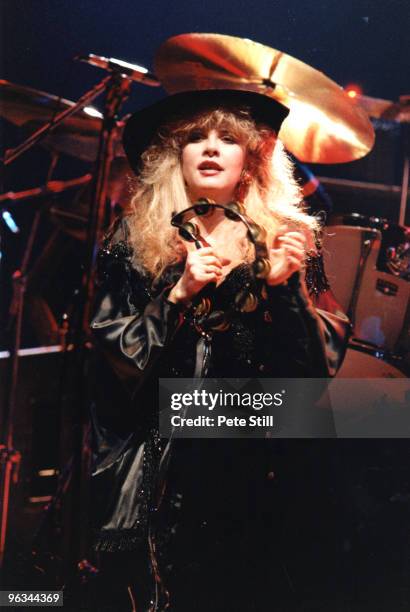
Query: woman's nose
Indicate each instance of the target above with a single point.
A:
(211, 144)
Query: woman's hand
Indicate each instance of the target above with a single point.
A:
(287, 258)
(202, 266)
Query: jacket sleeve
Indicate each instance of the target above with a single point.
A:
(131, 326)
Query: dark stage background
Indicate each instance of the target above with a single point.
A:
(361, 42)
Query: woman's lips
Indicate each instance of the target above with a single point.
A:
(209, 171)
(209, 168)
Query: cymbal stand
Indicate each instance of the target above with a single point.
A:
(117, 87)
(9, 456)
(405, 177)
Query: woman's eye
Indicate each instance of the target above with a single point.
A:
(228, 138)
(195, 137)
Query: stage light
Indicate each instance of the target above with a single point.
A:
(93, 112)
(9, 221)
(353, 91)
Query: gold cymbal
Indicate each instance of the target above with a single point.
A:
(323, 126)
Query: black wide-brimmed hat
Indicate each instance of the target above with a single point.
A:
(142, 126)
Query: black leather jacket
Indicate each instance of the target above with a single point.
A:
(142, 336)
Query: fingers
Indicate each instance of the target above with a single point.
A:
(288, 256)
(203, 266)
(293, 259)
(205, 272)
(294, 245)
(225, 261)
(207, 256)
(294, 251)
(296, 239)
(211, 260)
(207, 264)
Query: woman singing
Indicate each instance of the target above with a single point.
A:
(189, 304)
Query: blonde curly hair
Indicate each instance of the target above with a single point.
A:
(271, 195)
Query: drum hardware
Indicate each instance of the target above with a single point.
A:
(66, 214)
(405, 179)
(380, 363)
(375, 406)
(30, 108)
(136, 73)
(357, 219)
(323, 126)
(356, 247)
(394, 253)
(43, 411)
(349, 186)
(393, 359)
(21, 104)
(386, 109)
(117, 87)
(7, 434)
(377, 300)
(50, 188)
(72, 219)
(78, 136)
(386, 287)
(381, 309)
(368, 238)
(398, 260)
(315, 196)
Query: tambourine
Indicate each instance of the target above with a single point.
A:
(206, 319)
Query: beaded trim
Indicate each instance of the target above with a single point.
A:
(316, 279)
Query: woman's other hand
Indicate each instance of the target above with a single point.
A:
(287, 257)
(202, 266)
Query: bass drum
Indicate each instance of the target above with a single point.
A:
(361, 362)
(369, 398)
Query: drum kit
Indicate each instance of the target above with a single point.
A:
(367, 259)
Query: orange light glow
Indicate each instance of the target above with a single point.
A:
(353, 91)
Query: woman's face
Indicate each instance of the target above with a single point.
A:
(212, 163)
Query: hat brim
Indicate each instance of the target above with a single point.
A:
(142, 126)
